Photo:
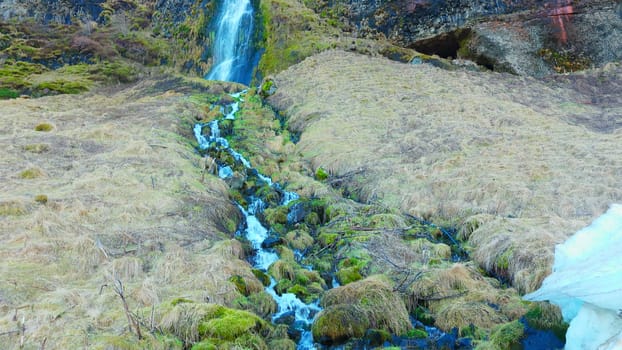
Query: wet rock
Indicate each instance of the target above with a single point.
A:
(236, 181)
(297, 213)
(271, 242)
(286, 318)
(338, 323)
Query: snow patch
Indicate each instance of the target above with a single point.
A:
(586, 283)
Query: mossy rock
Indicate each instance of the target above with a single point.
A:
(282, 270)
(282, 286)
(377, 337)
(350, 270)
(339, 323)
(383, 308)
(276, 216)
(312, 219)
(326, 239)
(424, 316)
(299, 239)
(507, 335)
(229, 324)
(300, 291)
(546, 316)
(262, 277)
(240, 284)
(348, 275)
(416, 333)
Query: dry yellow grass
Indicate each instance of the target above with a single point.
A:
(124, 200)
(542, 158)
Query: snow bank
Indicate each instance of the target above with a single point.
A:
(587, 283)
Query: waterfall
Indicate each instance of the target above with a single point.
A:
(233, 52)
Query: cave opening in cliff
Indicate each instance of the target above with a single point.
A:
(445, 45)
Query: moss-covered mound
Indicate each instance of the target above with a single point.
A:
(359, 306)
(202, 323)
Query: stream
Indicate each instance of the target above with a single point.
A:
(254, 231)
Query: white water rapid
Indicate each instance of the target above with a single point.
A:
(256, 233)
(232, 49)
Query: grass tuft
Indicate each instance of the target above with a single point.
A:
(45, 127)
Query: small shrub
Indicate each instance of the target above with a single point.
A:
(30, 174)
(44, 127)
(36, 148)
(41, 198)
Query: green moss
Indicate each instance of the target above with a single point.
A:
(282, 344)
(416, 333)
(300, 291)
(503, 261)
(180, 301)
(31, 173)
(564, 61)
(282, 269)
(312, 219)
(545, 316)
(282, 286)
(6, 93)
(262, 277)
(424, 315)
(36, 148)
(240, 284)
(231, 324)
(321, 174)
(506, 335)
(45, 127)
(299, 239)
(327, 239)
(473, 332)
(204, 345)
(340, 322)
(63, 86)
(262, 304)
(41, 199)
(276, 215)
(348, 275)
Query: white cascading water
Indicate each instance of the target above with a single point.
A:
(232, 49)
(256, 233)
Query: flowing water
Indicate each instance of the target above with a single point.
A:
(233, 52)
(255, 232)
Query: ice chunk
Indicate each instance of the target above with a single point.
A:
(587, 283)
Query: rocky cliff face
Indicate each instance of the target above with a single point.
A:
(535, 37)
(58, 11)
